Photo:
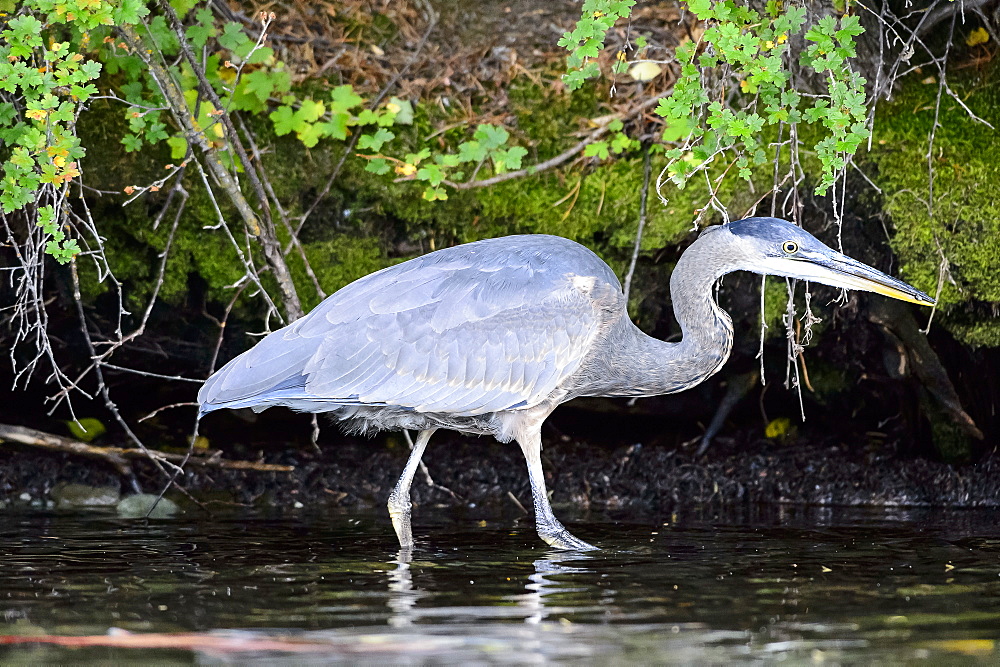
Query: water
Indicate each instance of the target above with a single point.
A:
(760, 585)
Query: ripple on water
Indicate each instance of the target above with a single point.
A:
(758, 586)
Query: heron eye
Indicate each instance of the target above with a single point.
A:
(790, 247)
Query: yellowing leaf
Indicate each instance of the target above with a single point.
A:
(966, 646)
(977, 36)
(644, 71)
(778, 428)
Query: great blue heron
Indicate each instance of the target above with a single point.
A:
(489, 337)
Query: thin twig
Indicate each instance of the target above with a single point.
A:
(642, 219)
(427, 475)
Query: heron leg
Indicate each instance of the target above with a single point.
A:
(549, 529)
(399, 499)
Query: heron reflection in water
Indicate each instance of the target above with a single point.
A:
(489, 337)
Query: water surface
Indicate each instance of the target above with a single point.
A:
(754, 585)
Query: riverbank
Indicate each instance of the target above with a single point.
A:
(355, 472)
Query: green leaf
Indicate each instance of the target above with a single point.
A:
(343, 99)
(282, 80)
(621, 143)
(336, 127)
(46, 219)
(178, 147)
(386, 118)
(259, 84)
(284, 120)
(471, 151)
(375, 141)
(378, 166)
(677, 129)
(366, 117)
(510, 158)
(132, 143)
(417, 158)
(310, 111)
(597, 149)
(163, 36)
(310, 133)
(233, 37)
(129, 12)
(448, 160)
(701, 8)
(91, 69)
(431, 173)
(260, 55)
(491, 136)
(850, 27)
(182, 7)
(156, 132)
(69, 250)
(86, 429)
(199, 34)
(433, 194)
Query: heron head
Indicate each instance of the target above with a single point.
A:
(777, 247)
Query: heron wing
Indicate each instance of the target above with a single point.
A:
(470, 330)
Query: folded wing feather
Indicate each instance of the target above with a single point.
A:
(465, 331)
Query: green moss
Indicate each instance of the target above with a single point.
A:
(336, 263)
(962, 226)
(545, 117)
(827, 380)
(953, 444)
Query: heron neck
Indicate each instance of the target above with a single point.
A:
(707, 331)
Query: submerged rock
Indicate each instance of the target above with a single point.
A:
(72, 496)
(145, 505)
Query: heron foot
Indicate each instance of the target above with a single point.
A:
(399, 512)
(560, 538)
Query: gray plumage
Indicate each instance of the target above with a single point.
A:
(489, 337)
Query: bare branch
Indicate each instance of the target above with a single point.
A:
(642, 219)
(120, 457)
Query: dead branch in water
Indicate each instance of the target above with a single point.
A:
(120, 457)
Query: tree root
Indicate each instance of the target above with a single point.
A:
(898, 321)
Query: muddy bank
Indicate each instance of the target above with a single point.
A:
(652, 477)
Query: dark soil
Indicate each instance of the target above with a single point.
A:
(349, 471)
